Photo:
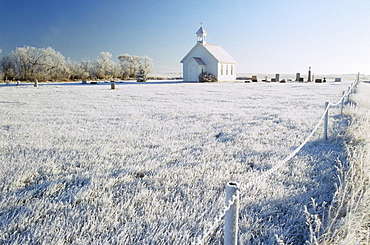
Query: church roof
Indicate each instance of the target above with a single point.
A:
(219, 53)
(201, 31)
(215, 50)
(199, 61)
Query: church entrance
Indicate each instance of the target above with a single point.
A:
(193, 72)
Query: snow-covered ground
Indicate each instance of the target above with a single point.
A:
(147, 163)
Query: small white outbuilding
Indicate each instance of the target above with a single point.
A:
(208, 58)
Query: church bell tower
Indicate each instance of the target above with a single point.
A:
(201, 35)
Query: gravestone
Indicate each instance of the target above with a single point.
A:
(254, 79)
(277, 77)
(297, 76)
(36, 83)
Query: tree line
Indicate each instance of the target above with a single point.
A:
(29, 63)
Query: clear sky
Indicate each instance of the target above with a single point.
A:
(264, 36)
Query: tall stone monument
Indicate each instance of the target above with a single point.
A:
(309, 74)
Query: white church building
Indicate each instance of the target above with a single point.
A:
(208, 58)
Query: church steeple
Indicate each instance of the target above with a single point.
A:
(201, 35)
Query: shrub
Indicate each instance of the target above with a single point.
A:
(207, 78)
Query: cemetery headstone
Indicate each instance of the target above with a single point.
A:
(297, 76)
(277, 77)
(254, 79)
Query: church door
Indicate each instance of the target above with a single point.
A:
(193, 71)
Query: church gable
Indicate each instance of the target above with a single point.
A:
(198, 51)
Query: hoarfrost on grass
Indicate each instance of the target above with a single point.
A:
(148, 162)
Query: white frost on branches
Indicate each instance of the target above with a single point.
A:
(131, 64)
(29, 63)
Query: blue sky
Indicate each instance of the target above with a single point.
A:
(264, 36)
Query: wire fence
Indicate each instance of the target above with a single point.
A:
(232, 193)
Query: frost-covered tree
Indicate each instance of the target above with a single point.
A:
(104, 67)
(1, 70)
(146, 64)
(40, 63)
(78, 70)
(28, 63)
(8, 66)
(131, 64)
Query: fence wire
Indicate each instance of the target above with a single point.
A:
(207, 231)
(212, 226)
(291, 155)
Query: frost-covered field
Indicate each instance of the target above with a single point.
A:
(147, 163)
(350, 219)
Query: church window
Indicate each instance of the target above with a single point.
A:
(222, 69)
(227, 70)
(232, 68)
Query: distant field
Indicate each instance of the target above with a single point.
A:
(147, 163)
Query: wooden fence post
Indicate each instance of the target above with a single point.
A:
(349, 91)
(326, 119)
(231, 215)
(341, 109)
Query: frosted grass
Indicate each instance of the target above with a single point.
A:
(147, 163)
(349, 214)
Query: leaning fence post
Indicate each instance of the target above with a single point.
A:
(341, 109)
(349, 91)
(231, 215)
(326, 118)
(355, 86)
